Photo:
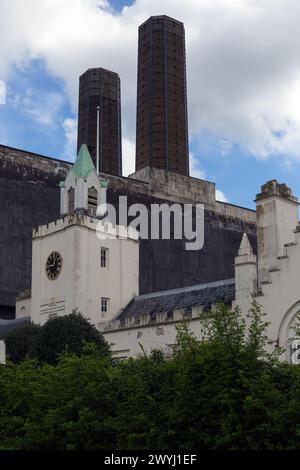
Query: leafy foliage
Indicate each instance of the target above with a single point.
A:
(223, 392)
(48, 342)
(20, 343)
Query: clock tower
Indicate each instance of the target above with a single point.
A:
(72, 267)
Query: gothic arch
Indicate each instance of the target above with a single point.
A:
(71, 200)
(284, 332)
(92, 200)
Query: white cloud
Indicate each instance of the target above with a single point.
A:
(195, 170)
(220, 196)
(128, 156)
(42, 108)
(2, 92)
(70, 129)
(243, 59)
(225, 147)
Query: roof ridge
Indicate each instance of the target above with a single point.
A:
(184, 289)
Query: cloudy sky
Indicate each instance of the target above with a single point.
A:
(243, 70)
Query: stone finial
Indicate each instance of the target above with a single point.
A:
(245, 246)
(245, 254)
(273, 188)
(245, 272)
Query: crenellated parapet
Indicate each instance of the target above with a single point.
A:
(88, 222)
(172, 307)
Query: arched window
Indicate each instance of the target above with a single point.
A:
(92, 201)
(71, 200)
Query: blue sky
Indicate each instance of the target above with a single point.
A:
(243, 98)
(33, 99)
(119, 4)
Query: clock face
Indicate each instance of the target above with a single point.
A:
(54, 265)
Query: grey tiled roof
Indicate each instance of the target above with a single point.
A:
(7, 326)
(185, 298)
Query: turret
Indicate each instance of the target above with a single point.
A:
(277, 218)
(83, 190)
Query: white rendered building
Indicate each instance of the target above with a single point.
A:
(74, 270)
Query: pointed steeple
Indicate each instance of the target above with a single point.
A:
(84, 163)
(82, 189)
(245, 274)
(245, 247)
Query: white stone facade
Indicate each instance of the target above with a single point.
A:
(273, 277)
(23, 307)
(131, 341)
(97, 291)
(82, 282)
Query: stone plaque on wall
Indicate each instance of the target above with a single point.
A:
(53, 308)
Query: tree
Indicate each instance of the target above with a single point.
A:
(71, 333)
(229, 394)
(223, 392)
(66, 406)
(20, 343)
(46, 343)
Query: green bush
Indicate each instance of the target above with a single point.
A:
(46, 343)
(20, 343)
(221, 393)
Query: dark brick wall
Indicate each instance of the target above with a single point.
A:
(29, 195)
(166, 264)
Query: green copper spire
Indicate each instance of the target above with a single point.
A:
(84, 163)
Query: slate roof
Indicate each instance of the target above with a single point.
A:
(7, 326)
(203, 295)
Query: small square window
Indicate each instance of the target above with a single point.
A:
(104, 258)
(104, 306)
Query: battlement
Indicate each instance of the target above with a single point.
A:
(176, 316)
(173, 305)
(273, 188)
(92, 223)
(31, 196)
